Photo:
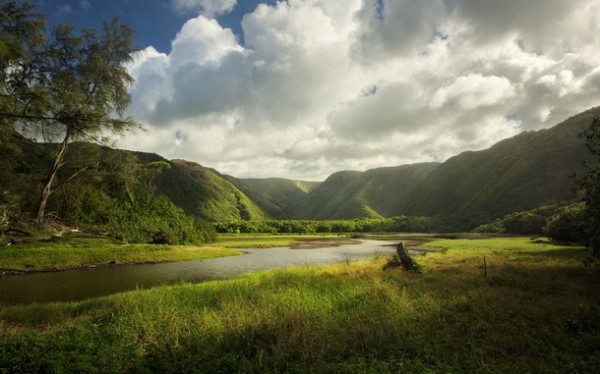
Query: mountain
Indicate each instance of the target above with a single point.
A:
(205, 193)
(197, 190)
(373, 193)
(275, 196)
(516, 174)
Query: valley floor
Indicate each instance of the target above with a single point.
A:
(531, 308)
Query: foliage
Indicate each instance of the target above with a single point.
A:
(154, 219)
(393, 224)
(276, 196)
(530, 222)
(69, 86)
(21, 41)
(118, 199)
(590, 183)
(375, 193)
(494, 227)
(203, 192)
(516, 174)
(568, 225)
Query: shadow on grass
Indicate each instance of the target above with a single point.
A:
(578, 253)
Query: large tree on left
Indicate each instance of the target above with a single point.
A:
(67, 86)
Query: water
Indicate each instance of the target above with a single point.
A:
(74, 285)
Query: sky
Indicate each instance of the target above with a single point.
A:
(300, 89)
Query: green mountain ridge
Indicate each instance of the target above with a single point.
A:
(275, 196)
(373, 193)
(205, 193)
(515, 174)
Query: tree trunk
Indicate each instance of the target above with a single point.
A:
(47, 190)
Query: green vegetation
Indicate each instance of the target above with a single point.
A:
(72, 252)
(63, 85)
(536, 311)
(590, 183)
(66, 87)
(531, 222)
(359, 225)
(275, 196)
(568, 225)
(116, 197)
(205, 193)
(517, 174)
(374, 193)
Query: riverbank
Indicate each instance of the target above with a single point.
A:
(69, 253)
(82, 253)
(533, 308)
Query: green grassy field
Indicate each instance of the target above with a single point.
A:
(537, 310)
(73, 252)
(76, 252)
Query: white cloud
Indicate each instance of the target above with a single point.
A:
(207, 8)
(472, 91)
(323, 85)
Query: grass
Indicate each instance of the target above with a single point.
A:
(537, 311)
(73, 252)
(76, 252)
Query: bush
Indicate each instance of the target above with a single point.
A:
(569, 225)
(524, 223)
(494, 227)
(155, 219)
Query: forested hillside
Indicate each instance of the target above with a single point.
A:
(133, 196)
(275, 196)
(516, 174)
(205, 193)
(97, 185)
(374, 193)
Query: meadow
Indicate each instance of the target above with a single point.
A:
(532, 308)
(74, 252)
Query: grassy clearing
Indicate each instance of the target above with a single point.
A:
(75, 252)
(537, 310)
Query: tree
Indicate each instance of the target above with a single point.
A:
(72, 86)
(590, 183)
(568, 225)
(21, 42)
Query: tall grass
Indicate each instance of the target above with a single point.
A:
(82, 251)
(537, 310)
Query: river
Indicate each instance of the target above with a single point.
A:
(80, 284)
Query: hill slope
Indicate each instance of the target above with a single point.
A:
(515, 174)
(275, 196)
(205, 193)
(373, 193)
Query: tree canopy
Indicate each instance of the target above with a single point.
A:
(68, 86)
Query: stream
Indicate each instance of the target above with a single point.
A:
(80, 284)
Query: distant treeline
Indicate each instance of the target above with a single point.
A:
(359, 225)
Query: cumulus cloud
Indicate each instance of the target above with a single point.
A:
(473, 91)
(322, 85)
(207, 8)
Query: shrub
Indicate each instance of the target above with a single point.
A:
(569, 225)
(494, 227)
(524, 223)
